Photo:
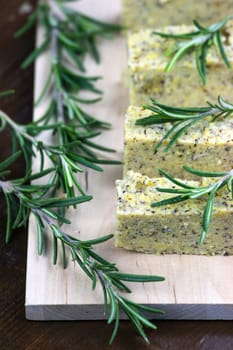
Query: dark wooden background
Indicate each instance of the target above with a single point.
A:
(15, 331)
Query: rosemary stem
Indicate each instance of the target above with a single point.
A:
(225, 177)
(208, 113)
(6, 186)
(54, 45)
(106, 281)
(5, 117)
(45, 218)
(58, 94)
(19, 129)
(48, 222)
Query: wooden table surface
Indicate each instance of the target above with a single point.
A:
(15, 331)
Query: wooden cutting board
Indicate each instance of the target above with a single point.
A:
(196, 287)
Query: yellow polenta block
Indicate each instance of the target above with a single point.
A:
(182, 86)
(173, 228)
(206, 146)
(158, 13)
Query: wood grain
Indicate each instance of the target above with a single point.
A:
(196, 287)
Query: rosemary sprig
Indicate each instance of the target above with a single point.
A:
(182, 119)
(199, 42)
(69, 36)
(23, 199)
(70, 156)
(187, 192)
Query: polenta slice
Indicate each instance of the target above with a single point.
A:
(207, 146)
(182, 86)
(171, 229)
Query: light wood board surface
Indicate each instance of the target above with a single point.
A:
(196, 287)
